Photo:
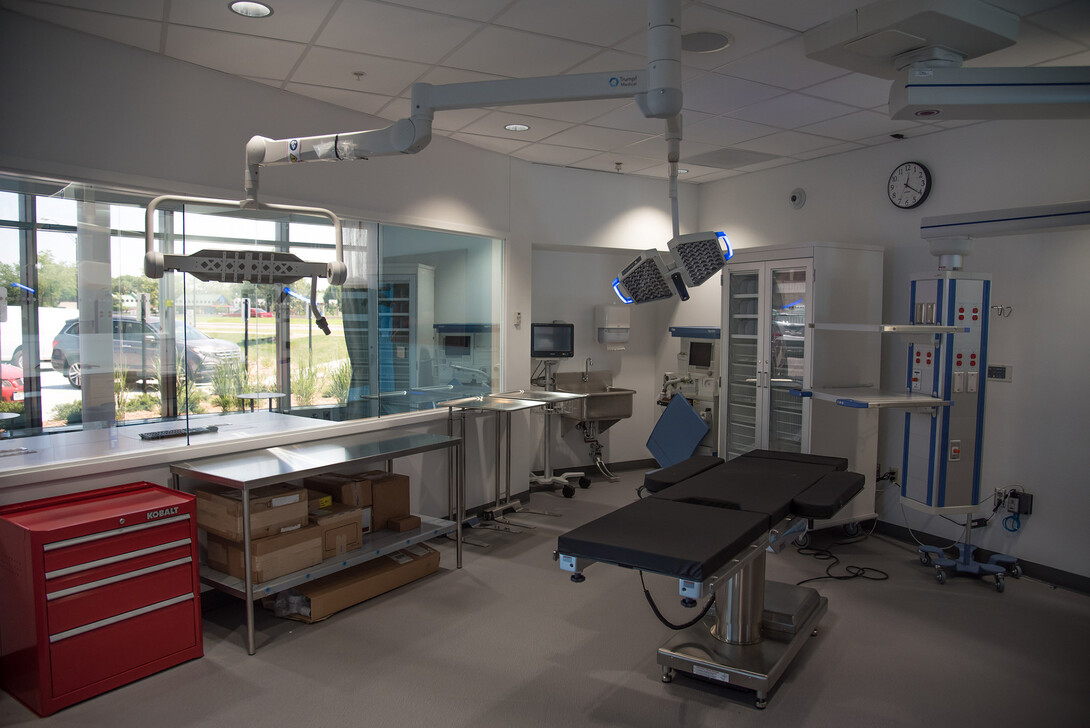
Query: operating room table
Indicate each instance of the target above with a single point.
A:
(709, 524)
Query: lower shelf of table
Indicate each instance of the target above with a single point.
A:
(374, 545)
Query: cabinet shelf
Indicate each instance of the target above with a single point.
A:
(925, 329)
(865, 398)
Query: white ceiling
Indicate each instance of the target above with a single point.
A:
(759, 103)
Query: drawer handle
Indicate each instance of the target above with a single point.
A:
(115, 532)
(115, 559)
(115, 579)
(54, 638)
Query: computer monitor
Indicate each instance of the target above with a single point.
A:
(456, 345)
(700, 354)
(552, 341)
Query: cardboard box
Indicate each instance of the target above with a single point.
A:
(351, 490)
(390, 498)
(317, 500)
(270, 557)
(341, 527)
(273, 509)
(359, 583)
(403, 523)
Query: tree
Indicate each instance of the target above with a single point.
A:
(56, 281)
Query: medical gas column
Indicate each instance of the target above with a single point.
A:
(942, 449)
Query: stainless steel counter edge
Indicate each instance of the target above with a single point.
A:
(163, 455)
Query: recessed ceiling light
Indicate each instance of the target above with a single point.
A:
(517, 127)
(250, 9)
(704, 42)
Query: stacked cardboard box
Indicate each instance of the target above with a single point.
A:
(281, 540)
(381, 495)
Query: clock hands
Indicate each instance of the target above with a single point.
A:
(907, 186)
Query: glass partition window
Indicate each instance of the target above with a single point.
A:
(91, 341)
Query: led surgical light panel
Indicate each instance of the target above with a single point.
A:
(654, 276)
(699, 255)
(645, 279)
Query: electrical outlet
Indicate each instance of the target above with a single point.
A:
(894, 475)
(999, 498)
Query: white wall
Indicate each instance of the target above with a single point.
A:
(1036, 426)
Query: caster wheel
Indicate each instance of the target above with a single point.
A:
(999, 583)
(925, 558)
(761, 703)
(802, 540)
(584, 482)
(940, 576)
(667, 675)
(1015, 570)
(568, 491)
(851, 530)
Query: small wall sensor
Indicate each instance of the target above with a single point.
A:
(798, 198)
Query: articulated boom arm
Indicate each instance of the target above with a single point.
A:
(657, 90)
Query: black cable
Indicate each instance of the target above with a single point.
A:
(664, 620)
(854, 572)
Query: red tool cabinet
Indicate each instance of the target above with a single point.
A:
(97, 589)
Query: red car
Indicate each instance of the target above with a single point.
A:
(11, 383)
(255, 312)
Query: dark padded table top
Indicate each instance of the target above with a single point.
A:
(665, 477)
(750, 484)
(664, 537)
(799, 457)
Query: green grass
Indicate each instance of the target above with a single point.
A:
(327, 349)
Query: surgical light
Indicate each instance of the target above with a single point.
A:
(645, 279)
(699, 256)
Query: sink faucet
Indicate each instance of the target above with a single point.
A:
(586, 370)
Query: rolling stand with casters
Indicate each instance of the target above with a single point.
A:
(997, 566)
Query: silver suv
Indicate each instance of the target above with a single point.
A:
(136, 351)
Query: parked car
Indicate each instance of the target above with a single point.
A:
(255, 312)
(136, 350)
(11, 383)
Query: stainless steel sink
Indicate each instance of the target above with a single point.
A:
(603, 401)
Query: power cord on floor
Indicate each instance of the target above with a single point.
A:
(854, 572)
(664, 620)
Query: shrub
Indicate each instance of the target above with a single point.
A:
(70, 412)
(340, 380)
(305, 385)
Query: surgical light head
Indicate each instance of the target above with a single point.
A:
(700, 255)
(654, 276)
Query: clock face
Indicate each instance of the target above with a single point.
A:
(909, 185)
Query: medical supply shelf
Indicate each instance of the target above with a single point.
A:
(865, 398)
(248, 470)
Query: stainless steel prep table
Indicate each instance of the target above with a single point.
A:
(504, 404)
(247, 470)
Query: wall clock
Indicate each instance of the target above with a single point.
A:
(909, 185)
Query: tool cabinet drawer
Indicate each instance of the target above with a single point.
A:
(117, 544)
(97, 600)
(97, 651)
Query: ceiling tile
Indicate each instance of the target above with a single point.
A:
(448, 121)
(725, 131)
(328, 67)
(1079, 59)
(746, 36)
(787, 143)
(1026, 7)
(662, 171)
(394, 31)
(631, 118)
(296, 20)
(857, 126)
(716, 94)
(244, 55)
(655, 148)
(144, 34)
(828, 151)
(518, 53)
(608, 163)
(474, 9)
(728, 158)
(1071, 21)
(492, 125)
(441, 75)
(356, 100)
(551, 154)
(576, 112)
(602, 22)
(784, 65)
(493, 144)
(595, 137)
(791, 111)
(780, 162)
(856, 89)
(798, 16)
(147, 9)
(1034, 46)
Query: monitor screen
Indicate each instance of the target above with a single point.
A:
(700, 354)
(552, 341)
(456, 345)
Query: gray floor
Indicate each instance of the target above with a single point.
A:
(509, 640)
